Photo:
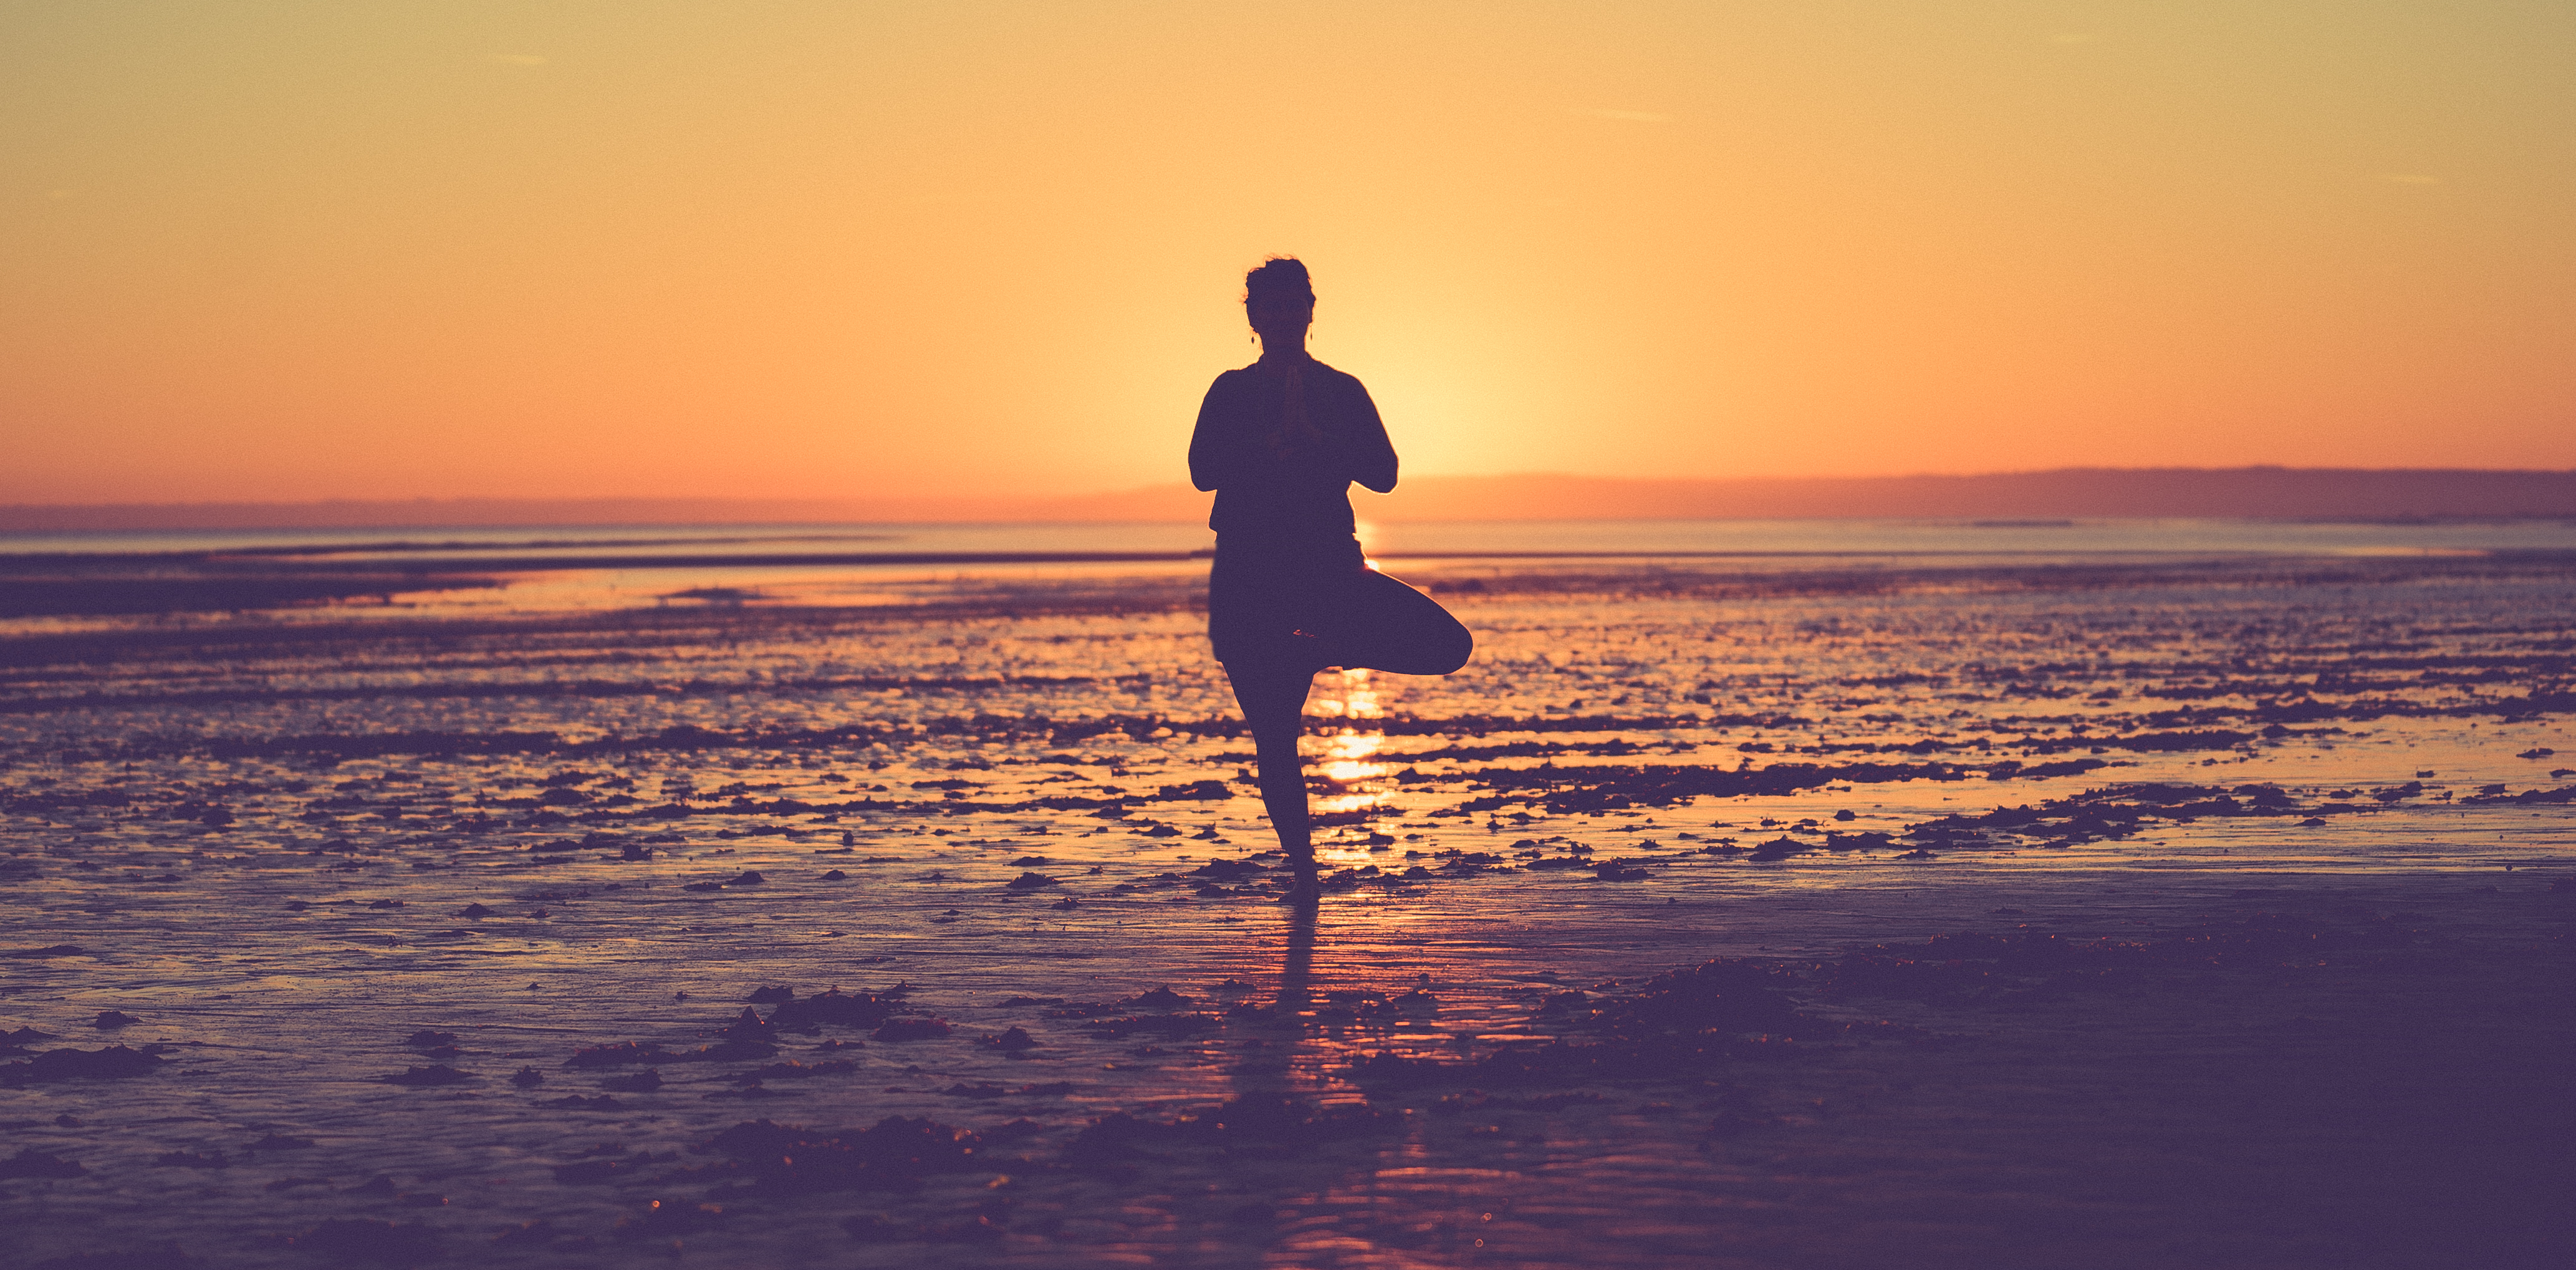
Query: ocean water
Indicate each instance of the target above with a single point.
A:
(299, 848)
(565, 568)
(1728, 537)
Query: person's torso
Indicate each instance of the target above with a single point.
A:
(1290, 432)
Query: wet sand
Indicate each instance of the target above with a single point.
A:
(2188, 920)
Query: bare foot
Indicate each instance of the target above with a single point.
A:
(1303, 888)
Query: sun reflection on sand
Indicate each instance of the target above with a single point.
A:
(1349, 754)
(1347, 759)
(1347, 763)
(1346, 694)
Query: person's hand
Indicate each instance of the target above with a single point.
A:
(1299, 438)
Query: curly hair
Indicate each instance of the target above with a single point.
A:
(1281, 277)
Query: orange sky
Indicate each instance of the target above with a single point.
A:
(830, 249)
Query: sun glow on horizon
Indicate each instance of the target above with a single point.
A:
(832, 250)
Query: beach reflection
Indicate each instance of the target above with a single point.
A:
(1348, 762)
(539, 835)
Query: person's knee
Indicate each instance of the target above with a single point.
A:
(1452, 648)
(1437, 649)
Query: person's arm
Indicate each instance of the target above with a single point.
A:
(1210, 447)
(1372, 456)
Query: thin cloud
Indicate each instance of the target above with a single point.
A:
(1627, 116)
(518, 59)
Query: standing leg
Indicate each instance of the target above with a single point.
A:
(1274, 705)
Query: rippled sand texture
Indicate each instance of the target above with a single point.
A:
(511, 941)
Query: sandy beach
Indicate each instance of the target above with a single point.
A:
(2153, 913)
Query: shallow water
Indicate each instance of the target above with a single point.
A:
(285, 846)
(2203, 536)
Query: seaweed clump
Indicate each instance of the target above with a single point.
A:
(116, 1062)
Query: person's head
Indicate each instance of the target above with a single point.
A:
(1279, 301)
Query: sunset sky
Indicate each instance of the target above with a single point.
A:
(324, 250)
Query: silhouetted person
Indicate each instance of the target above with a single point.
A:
(1280, 441)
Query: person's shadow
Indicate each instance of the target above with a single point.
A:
(1268, 1075)
(1297, 968)
(1302, 1154)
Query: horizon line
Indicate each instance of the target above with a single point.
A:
(1161, 486)
(2264, 492)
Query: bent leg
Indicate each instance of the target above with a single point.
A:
(1382, 624)
(1273, 698)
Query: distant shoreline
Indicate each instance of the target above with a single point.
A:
(2343, 495)
(953, 585)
